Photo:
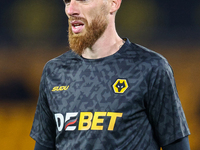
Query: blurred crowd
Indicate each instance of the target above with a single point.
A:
(41, 22)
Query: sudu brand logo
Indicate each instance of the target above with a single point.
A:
(60, 88)
(87, 120)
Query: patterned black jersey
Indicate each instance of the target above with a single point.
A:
(124, 101)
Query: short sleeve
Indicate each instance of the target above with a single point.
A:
(164, 108)
(43, 128)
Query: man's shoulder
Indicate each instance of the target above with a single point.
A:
(145, 56)
(65, 59)
(67, 56)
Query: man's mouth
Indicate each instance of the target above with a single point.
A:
(77, 26)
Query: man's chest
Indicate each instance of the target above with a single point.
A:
(92, 89)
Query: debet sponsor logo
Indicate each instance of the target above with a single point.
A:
(87, 120)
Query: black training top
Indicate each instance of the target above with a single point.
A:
(124, 101)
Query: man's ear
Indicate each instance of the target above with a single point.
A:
(115, 5)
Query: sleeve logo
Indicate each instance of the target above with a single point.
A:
(60, 88)
(120, 86)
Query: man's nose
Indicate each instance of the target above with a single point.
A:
(72, 8)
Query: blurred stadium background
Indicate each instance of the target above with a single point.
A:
(34, 31)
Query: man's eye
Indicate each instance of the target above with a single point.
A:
(66, 1)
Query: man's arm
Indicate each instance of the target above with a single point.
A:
(181, 144)
(40, 147)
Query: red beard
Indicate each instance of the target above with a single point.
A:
(79, 42)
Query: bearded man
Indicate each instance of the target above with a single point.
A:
(106, 92)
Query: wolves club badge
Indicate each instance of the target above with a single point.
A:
(120, 86)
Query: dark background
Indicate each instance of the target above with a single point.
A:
(35, 31)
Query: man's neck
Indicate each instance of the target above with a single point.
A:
(108, 44)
